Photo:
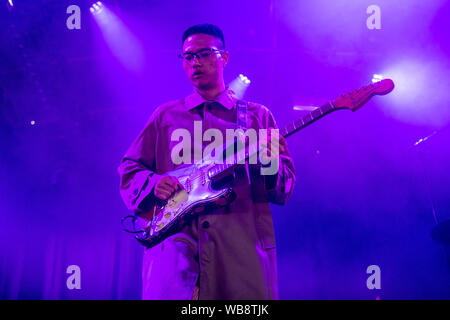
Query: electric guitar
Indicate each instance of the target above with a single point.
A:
(199, 191)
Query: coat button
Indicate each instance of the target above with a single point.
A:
(205, 224)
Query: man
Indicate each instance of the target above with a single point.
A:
(228, 252)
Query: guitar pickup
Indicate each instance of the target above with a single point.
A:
(188, 185)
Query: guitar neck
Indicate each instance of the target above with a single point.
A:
(314, 115)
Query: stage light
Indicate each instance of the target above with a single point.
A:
(421, 90)
(32, 122)
(124, 45)
(240, 85)
(377, 77)
(244, 79)
(96, 8)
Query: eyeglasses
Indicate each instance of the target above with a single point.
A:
(200, 54)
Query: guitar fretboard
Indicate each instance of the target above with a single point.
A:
(307, 119)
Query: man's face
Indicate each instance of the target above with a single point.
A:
(204, 73)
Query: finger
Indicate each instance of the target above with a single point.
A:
(282, 148)
(283, 142)
(274, 138)
(270, 133)
(162, 195)
(169, 184)
(274, 145)
(166, 193)
(171, 180)
(279, 143)
(168, 188)
(177, 184)
(166, 180)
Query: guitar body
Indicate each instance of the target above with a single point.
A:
(197, 195)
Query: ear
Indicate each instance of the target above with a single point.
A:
(225, 56)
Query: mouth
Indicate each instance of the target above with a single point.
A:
(197, 74)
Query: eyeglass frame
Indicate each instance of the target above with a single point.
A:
(196, 55)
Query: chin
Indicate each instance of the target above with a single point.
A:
(202, 85)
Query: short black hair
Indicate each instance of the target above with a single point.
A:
(205, 28)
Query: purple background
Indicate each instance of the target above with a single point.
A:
(364, 194)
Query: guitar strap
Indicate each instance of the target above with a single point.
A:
(241, 114)
(241, 122)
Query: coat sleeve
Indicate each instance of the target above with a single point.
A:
(137, 170)
(280, 185)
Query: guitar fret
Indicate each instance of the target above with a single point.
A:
(327, 107)
(316, 113)
(306, 118)
(293, 127)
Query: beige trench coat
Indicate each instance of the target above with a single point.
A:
(228, 252)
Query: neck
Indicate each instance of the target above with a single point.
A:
(211, 93)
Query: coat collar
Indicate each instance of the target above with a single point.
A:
(226, 99)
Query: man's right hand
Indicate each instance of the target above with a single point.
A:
(165, 186)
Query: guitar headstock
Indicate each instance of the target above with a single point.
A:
(357, 98)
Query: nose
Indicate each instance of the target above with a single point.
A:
(195, 61)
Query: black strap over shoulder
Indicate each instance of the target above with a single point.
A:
(241, 114)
